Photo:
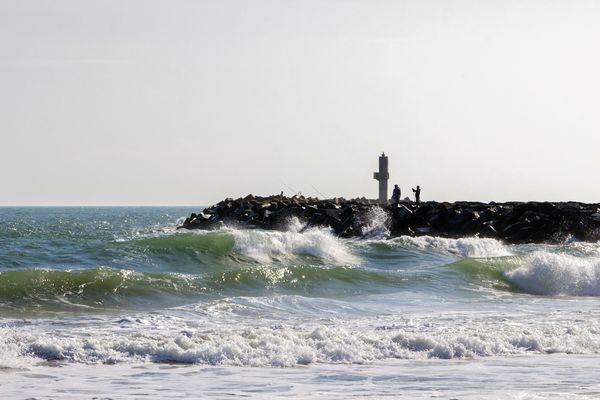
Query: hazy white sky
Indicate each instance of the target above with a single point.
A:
(188, 102)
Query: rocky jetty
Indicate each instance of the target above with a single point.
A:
(514, 222)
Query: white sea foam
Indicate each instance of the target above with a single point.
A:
(264, 246)
(557, 274)
(11, 355)
(582, 249)
(286, 346)
(464, 247)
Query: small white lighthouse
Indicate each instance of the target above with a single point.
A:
(382, 176)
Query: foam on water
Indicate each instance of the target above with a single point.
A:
(548, 273)
(155, 339)
(265, 246)
(464, 247)
(90, 286)
(582, 249)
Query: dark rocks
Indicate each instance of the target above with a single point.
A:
(401, 212)
(532, 222)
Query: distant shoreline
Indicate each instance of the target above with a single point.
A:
(510, 222)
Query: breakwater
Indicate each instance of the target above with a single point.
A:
(511, 222)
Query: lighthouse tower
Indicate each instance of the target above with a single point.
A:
(382, 176)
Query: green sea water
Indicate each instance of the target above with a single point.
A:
(123, 286)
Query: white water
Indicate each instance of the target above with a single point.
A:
(266, 246)
(236, 339)
(554, 274)
(517, 378)
(399, 318)
(463, 248)
(496, 356)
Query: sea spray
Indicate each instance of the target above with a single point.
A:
(376, 223)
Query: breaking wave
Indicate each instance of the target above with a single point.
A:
(152, 339)
(540, 273)
(264, 247)
(464, 247)
(545, 273)
(105, 287)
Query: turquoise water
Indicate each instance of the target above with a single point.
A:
(114, 288)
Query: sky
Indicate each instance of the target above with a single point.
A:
(127, 102)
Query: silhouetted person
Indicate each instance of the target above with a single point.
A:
(417, 193)
(396, 195)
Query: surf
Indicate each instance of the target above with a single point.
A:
(542, 273)
(105, 288)
(231, 248)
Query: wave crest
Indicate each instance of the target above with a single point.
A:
(95, 287)
(557, 274)
(262, 246)
(114, 288)
(464, 247)
(266, 246)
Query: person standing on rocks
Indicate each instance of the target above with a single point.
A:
(417, 193)
(396, 195)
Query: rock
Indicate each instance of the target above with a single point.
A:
(457, 219)
(438, 219)
(402, 212)
(487, 231)
(569, 206)
(333, 213)
(515, 222)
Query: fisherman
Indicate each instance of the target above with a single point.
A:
(417, 193)
(396, 195)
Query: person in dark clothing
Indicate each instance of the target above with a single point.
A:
(396, 195)
(417, 193)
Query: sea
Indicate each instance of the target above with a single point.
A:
(116, 303)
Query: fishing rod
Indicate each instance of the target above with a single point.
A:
(317, 190)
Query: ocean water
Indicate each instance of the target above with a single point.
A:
(117, 303)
